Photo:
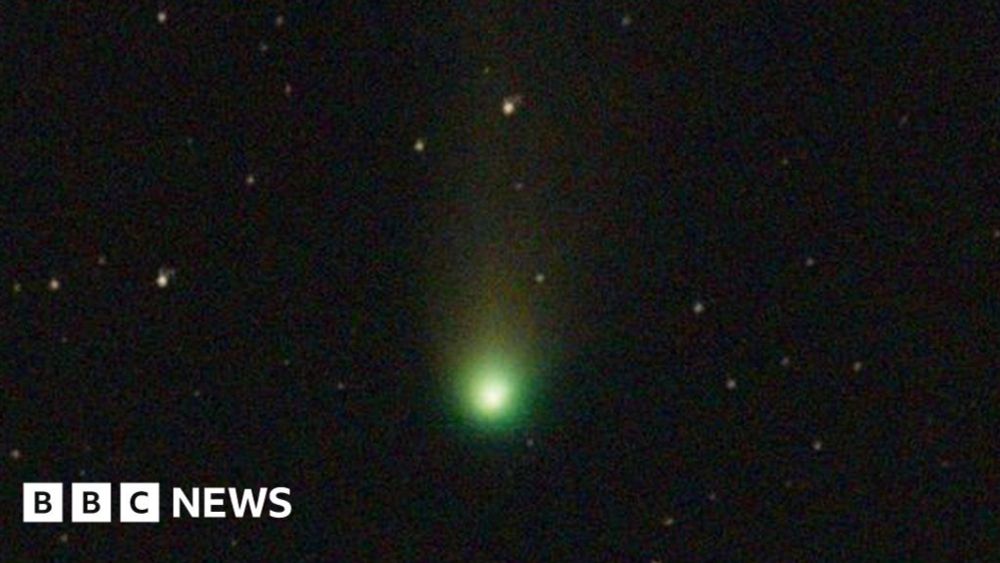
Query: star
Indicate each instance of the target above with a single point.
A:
(164, 276)
(510, 105)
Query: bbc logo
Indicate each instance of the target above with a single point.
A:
(91, 502)
(140, 502)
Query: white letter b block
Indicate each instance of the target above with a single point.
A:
(91, 502)
(43, 502)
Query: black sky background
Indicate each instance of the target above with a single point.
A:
(699, 154)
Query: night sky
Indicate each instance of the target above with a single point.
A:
(498, 281)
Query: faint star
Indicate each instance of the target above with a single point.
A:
(668, 521)
(161, 17)
(279, 21)
(288, 89)
(817, 445)
(511, 104)
(856, 367)
(730, 384)
(626, 20)
(251, 179)
(420, 144)
(15, 454)
(54, 284)
(810, 262)
(698, 307)
(786, 361)
(16, 287)
(63, 538)
(164, 277)
(539, 277)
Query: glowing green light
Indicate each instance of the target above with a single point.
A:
(492, 394)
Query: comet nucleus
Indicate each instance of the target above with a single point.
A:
(493, 394)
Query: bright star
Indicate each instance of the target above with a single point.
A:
(511, 105)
